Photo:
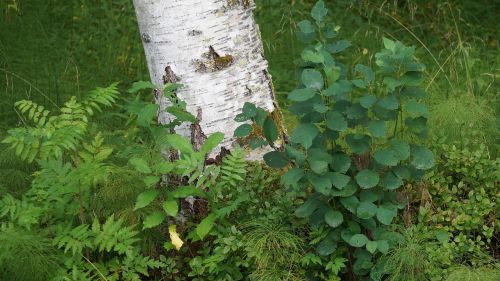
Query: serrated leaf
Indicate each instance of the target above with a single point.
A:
(334, 218)
(211, 142)
(171, 207)
(204, 227)
(141, 85)
(154, 219)
(180, 143)
(140, 165)
(145, 198)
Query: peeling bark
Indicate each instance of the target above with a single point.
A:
(213, 48)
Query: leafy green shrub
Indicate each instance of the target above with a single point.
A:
(464, 189)
(358, 139)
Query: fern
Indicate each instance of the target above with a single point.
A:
(51, 135)
(233, 168)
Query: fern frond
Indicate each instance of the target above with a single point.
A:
(113, 236)
(233, 168)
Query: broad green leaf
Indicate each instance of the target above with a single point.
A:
(391, 181)
(367, 101)
(368, 196)
(146, 114)
(275, 159)
(385, 214)
(356, 111)
(416, 109)
(301, 94)
(335, 121)
(145, 198)
(261, 116)
(401, 149)
(350, 203)
(359, 143)
(256, 142)
(181, 114)
(306, 26)
(386, 157)
(390, 103)
(211, 142)
(416, 125)
(295, 154)
(377, 128)
(347, 191)
(319, 167)
(366, 210)
(141, 85)
(180, 143)
(312, 78)
(326, 247)
(306, 209)
(332, 74)
(358, 240)
(367, 72)
(243, 130)
(371, 246)
(304, 134)
(312, 56)
(292, 177)
(339, 180)
(338, 46)
(319, 11)
(171, 207)
(204, 227)
(154, 219)
(249, 110)
(270, 130)
(334, 218)
(422, 158)
(367, 178)
(140, 165)
(383, 246)
(341, 162)
(151, 180)
(185, 191)
(321, 184)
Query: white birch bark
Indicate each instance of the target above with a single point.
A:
(179, 34)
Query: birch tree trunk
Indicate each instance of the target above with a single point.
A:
(213, 48)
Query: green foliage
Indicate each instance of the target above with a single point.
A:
(464, 273)
(465, 198)
(341, 157)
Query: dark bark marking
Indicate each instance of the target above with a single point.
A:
(211, 61)
(197, 135)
